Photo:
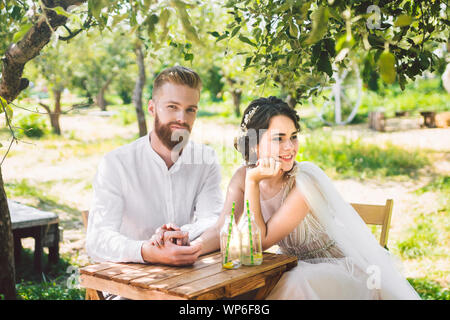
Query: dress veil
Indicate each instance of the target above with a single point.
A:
(350, 233)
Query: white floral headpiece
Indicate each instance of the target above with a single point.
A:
(247, 119)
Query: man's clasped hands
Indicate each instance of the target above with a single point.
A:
(171, 246)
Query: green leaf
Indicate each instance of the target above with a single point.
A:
(246, 40)
(344, 42)
(188, 57)
(403, 20)
(260, 81)
(330, 46)
(248, 60)
(386, 63)
(21, 33)
(293, 31)
(5, 106)
(60, 11)
(190, 31)
(235, 31)
(319, 25)
(214, 34)
(324, 63)
(95, 7)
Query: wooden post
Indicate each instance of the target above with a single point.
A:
(377, 120)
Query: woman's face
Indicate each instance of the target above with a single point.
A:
(279, 142)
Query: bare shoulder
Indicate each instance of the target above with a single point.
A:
(238, 178)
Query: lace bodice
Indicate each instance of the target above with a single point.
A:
(308, 240)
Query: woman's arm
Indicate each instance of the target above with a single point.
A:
(286, 218)
(235, 193)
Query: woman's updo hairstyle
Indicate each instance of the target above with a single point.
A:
(256, 119)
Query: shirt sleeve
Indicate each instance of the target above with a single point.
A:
(103, 239)
(209, 202)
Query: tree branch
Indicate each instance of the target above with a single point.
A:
(46, 107)
(71, 34)
(18, 54)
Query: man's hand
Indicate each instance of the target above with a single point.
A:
(171, 253)
(158, 238)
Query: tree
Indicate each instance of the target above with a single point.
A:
(297, 38)
(57, 74)
(31, 25)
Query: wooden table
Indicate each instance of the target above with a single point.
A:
(205, 280)
(41, 225)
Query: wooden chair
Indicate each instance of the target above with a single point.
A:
(377, 215)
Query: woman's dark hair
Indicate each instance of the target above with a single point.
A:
(256, 120)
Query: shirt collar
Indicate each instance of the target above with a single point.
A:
(155, 156)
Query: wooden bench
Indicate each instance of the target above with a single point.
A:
(41, 225)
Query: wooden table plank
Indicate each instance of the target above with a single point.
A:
(143, 270)
(201, 286)
(114, 271)
(144, 282)
(248, 284)
(206, 279)
(124, 290)
(176, 281)
(92, 269)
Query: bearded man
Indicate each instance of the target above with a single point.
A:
(154, 196)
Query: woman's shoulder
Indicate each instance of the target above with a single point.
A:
(238, 178)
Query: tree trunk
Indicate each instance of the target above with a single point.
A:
(101, 101)
(7, 268)
(290, 100)
(54, 116)
(11, 84)
(237, 95)
(138, 88)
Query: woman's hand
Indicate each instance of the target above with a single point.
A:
(265, 168)
(158, 238)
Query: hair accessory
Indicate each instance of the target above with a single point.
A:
(247, 118)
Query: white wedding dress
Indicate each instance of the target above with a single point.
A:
(338, 257)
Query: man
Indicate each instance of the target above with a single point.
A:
(144, 190)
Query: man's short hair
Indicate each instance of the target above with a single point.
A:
(177, 75)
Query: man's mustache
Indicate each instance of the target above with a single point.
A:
(185, 125)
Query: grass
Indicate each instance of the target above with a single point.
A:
(57, 282)
(346, 158)
(422, 240)
(441, 184)
(429, 289)
(24, 188)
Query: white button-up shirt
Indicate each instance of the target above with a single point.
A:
(135, 193)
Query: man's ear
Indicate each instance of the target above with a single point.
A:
(151, 107)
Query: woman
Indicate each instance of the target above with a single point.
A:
(297, 207)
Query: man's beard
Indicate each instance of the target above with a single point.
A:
(171, 138)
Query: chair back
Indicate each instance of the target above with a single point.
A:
(377, 215)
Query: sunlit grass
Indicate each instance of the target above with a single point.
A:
(343, 158)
